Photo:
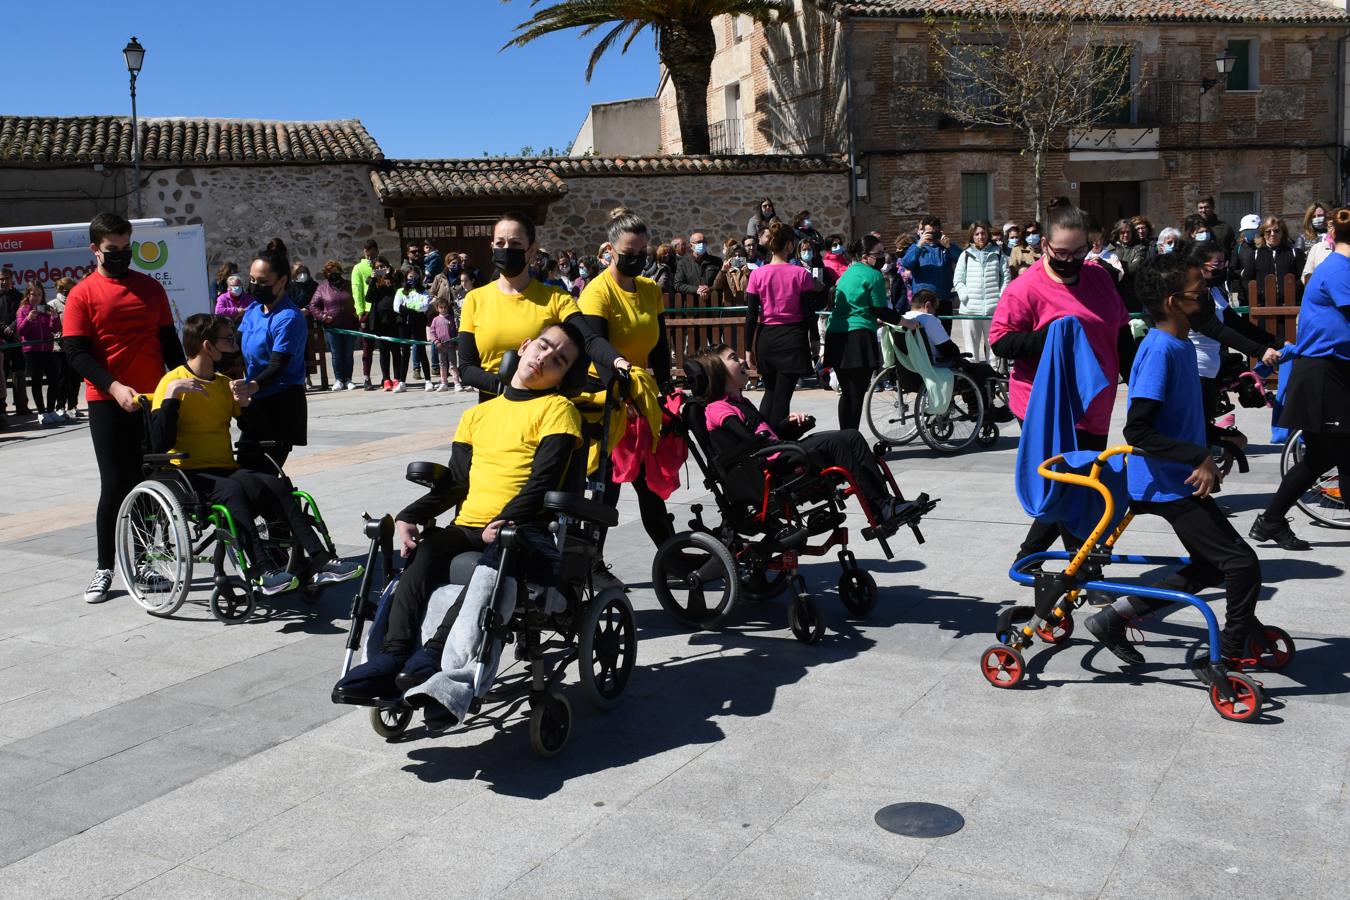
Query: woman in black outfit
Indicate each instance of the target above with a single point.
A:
(383, 321)
(1276, 256)
(781, 300)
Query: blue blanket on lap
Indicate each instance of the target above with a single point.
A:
(1067, 380)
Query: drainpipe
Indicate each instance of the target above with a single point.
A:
(845, 33)
(1340, 116)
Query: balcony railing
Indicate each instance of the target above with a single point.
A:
(726, 136)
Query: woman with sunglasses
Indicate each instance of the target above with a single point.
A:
(1273, 254)
(1027, 252)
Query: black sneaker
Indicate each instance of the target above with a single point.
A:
(603, 578)
(437, 718)
(1279, 533)
(334, 571)
(1108, 626)
(278, 581)
(368, 386)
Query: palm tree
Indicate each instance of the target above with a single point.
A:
(684, 42)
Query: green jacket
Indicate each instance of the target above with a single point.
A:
(361, 273)
(859, 291)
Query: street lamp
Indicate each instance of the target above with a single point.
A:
(134, 54)
(1224, 63)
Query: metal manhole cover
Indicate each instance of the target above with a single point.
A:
(921, 820)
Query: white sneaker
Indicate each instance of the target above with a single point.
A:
(97, 592)
(459, 389)
(353, 386)
(338, 386)
(429, 388)
(399, 387)
(47, 419)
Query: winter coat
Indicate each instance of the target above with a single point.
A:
(333, 306)
(36, 326)
(932, 266)
(1258, 262)
(981, 276)
(1022, 258)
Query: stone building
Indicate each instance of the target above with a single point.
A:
(832, 78)
(246, 180)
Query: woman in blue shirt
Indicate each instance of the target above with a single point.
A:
(272, 339)
(1317, 398)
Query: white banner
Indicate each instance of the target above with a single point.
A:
(175, 256)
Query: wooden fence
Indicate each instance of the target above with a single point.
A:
(1277, 311)
(708, 321)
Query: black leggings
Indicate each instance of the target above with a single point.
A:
(42, 367)
(414, 352)
(854, 383)
(1218, 555)
(778, 388)
(1042, 532)
(247, 494)
(428, 570)
(848, 449)
(1321, 453)
(117, 436)
(655, 519)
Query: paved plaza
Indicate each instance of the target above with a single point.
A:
(151, 758)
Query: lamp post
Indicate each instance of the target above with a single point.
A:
(1224, 64)
(134, 54)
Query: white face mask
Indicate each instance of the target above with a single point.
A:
(236, 291)
(301, 278)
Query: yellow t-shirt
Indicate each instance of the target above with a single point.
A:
(203, 421)
(504, 435)
(501, 322)
(633, 317)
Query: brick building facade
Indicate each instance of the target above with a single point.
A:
(832, 78)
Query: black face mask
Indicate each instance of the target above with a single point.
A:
(335, 280)
(1066, 269)
(878, 264)
(510, 261)
(261, 292)
(228, 360)
(631, 264)
(1218, 276)
(117, 262)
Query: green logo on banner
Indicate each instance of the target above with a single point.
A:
(150, 255)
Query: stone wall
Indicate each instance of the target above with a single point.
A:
(672, 205)
(321, 212)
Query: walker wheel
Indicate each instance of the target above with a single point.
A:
(858, 592)
(1002, 666)
(390, 722)
(1057, 634)
(806, 619)
(231, 604)
(1272, 648)
(550, 724)
(988, 435)
(1245, 706)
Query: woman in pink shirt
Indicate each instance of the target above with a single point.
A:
(1060, 284)
(781, 300)
(234, 301)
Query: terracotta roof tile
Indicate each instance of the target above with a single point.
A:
(40, 141)
(1175, 11)
(516, 177)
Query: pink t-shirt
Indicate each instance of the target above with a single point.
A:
(718, 411)
(779, 287)
(1033, 300)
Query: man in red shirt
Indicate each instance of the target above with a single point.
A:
(118, 334)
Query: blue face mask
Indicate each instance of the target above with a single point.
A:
(1034, 240)
(583, 273)
(700, 247)
(806, 255)
(1167, 248)
(1202, 235)
(806, 223)
(1013, 242)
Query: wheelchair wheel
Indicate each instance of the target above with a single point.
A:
(1273, 648)
(988, 435)
(1323, 502)
(154, 548)
(806, 619)
(1003, 667)
(550, 724)
(760, 586)
(858, 592)
(1246, 704)
(891, 411)
(606, 648)
(958, 427)
(695, 579)
(231, 603)
(390, 723)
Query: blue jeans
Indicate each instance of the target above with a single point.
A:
(341, 347)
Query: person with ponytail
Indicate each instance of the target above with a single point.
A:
(781, 300)
(851, 347)
(1317, 398)
(500, 316)
(272, 337)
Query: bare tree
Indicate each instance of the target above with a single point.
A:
(1040, 74)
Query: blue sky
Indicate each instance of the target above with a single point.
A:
(392, 65)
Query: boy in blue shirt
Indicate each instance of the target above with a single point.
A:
(1173, 473)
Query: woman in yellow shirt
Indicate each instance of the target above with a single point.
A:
(514, 308)
(626, 310)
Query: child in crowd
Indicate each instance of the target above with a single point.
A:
(410, 306)
(37, 324)
(1173, 473)
(192, 409)
(943, 350)
(444, 333)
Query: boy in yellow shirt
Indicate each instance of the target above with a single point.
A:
(192, 409)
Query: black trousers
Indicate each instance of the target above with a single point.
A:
(14, 372)
(1321, 453)
(853, 384)
(1042, 533)
(848, 449)
(42, 369)
(1218, 555)
(117, 436)
(655, 519)
(248, 494)
(68, 383)
(281, 418)
(776, 403)
(428, 570)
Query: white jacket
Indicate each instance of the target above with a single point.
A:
(981, 276)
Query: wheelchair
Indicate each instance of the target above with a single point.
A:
(772, 499)
(898, 408)
(1233, 694)
(164, 528)
(550, 627)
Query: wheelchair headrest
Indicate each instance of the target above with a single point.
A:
(573, 381)
(695, 377)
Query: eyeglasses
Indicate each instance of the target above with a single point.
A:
(228, 340)
(1080, 253)
(1197, 296)
(1271, 231)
